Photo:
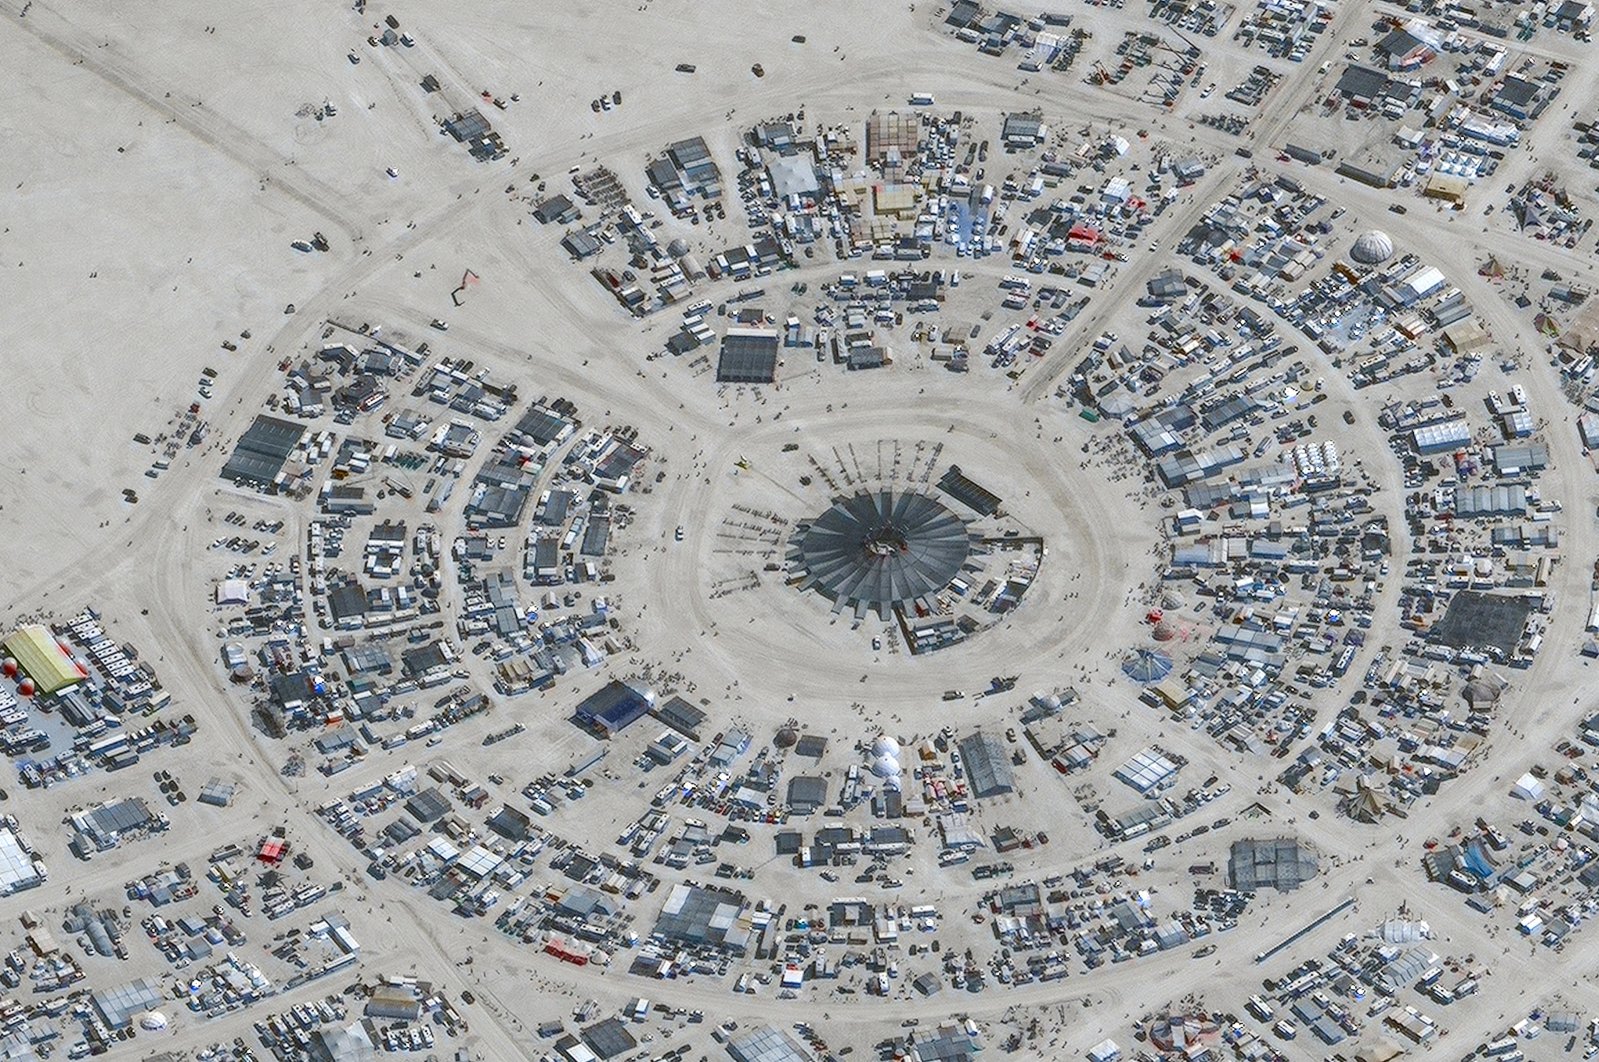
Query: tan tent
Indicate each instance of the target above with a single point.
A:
(1583, 334)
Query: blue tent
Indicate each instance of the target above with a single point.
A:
(1476, 860)
(1147, 665)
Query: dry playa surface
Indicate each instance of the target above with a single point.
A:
(161, 162)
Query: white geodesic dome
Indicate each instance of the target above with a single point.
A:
(1372, 247)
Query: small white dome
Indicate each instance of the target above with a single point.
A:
(1372, 247)
(885, 746)
(885, 767)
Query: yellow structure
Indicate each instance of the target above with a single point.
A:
(39, 657)
(1449, 189)
(897, 200)
(1466, 336)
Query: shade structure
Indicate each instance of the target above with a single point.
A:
(41, 658)
(881, 550)
(1146, 665)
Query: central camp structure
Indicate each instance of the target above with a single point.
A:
(880, 550)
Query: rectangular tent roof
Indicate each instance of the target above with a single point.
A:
(41, 658)
(262, 451)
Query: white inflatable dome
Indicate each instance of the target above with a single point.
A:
(1372, 247)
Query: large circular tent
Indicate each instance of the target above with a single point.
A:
(1372, 248)
(881, 550)
(1146, 665)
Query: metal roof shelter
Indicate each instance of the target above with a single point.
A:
(117, 1006)
(1280, 863)
(1362, 82)
(17, 871)
(351, 1043)
(947, 1043)
(110, 819)
(41, 658)
(987, 765)
(217, 793)
(1481, 500)
(881, 550)
(613, 707)
(963, 13)
(596, 536)
(969, 493)
(705, 915)
(261, 451)
(544, 425)
(792, 175)
(1024, 129)
(556, 208)
(806, 793)
(428, 805)
(749, 355)
(1148, 770)
(1404, 969)
(608, 1038)
(472, 129)
(681, 716)
(766, 1044)
(1480, 620)
(695, 167)
(1444, 435)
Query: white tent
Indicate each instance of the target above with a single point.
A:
(1104, 1051)
(1527, 788)
(1403, 931)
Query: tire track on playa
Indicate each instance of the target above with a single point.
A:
(206, 126)
(185, 483)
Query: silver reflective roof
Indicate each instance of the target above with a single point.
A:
(881, 549)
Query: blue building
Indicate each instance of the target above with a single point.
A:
(613, 707)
